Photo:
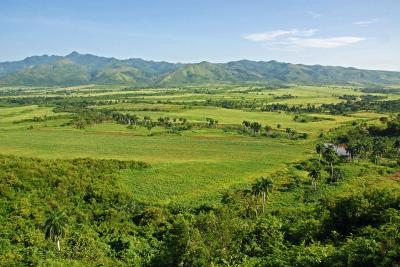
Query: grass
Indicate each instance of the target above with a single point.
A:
(188, 168)
(194, 166)
(233, 116)
(218, 165)
(12, 114)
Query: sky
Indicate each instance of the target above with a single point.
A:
(358, 33)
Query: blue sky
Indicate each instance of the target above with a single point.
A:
(359, 33)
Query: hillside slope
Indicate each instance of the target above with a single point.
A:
(78, 69)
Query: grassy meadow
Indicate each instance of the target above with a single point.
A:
(199, 176)
(190, 166)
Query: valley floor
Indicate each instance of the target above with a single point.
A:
(189, 166)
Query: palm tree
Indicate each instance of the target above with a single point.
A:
(54, 226)
(267, 129)
(266, 186)
(378, 149)
(135, 119)
(362, 147)
(148, 123)
(255, 126)
(359, 148)
(289, 132)
(330, 155)
(248, 201)
(210, 122)
(262, 187)
(246, 125)
(351, 150)
(315, 174)
(366, 147)
(256, 189)
(319, 148)
(396, 146)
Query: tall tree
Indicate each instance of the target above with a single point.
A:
(134, 119)
(266, 186)
(267, 129)
(211, 122)
(54, 226)
(330, 156)
(319, 148)
(396, 145)
(378, 149)
(289, 132)
(256, 127)
(315, 173)
(246, 125)
(261, 188)
(148, 123)
(256, 189)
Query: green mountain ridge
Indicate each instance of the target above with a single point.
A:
(80, 69)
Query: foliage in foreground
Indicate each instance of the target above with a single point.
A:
(98, 223)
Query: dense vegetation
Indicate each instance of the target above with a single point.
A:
(74, 212)
(351, 104)
(78, 69)
(224, 175)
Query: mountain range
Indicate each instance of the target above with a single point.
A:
(80, 69)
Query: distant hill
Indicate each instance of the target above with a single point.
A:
(78, 69)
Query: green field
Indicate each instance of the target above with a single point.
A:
(191, 166)
(213, 176)
(194, 166)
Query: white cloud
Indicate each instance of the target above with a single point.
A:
(329, 42)
(272, 35)
(266, 36)
(294, 39)
(365, 22)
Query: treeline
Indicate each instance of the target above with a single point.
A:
(360, 142)
(306, 118)
(284, 96)
(260, 89)
(375, 142)
(82, 116)
(229, 104)
(257, 129)
(379, 90)
(351, 105)
(44, 118)
(87, 116)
